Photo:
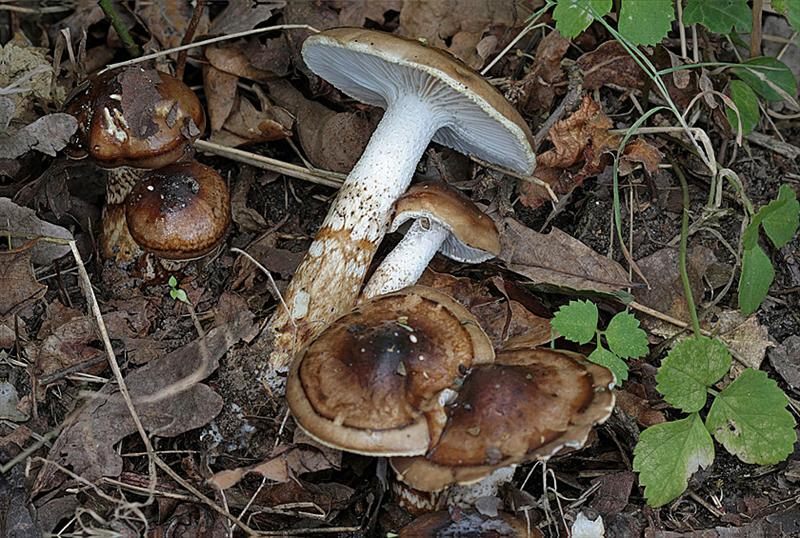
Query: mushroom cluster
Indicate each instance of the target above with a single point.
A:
(412, 376)
(134, 122)
(427, 95)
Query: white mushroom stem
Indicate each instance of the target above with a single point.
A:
(328, 281)
(405, 264)
(467, 495)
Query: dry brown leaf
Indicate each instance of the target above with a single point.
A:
(331, 140)
(610, 63)
(18, 281)
(461, 22)
(250, 124)
(65, 335)
(745, 337)
(231, 59)
(220, 90)
(785, 358)
(357, 12)
(287, 462)
(25, 223)
(639, 409)
(666, 295)
(558, 259)
(539, 84)
(639, 151)
(167, 21)
(87, 444)
(583, 137)
(9, 403)
(241, 15)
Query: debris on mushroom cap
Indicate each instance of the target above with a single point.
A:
(528, 405)
(482, 122)
(466, 523)
(376, 380)
(134, 117)
(474, 236)
(180, 211)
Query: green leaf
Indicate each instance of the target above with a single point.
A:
(689, 369)
(667, 454)
(180, 295)
(625, 338)
(755, 280)
(172, 281)
(603, 357)
(747, 104)
(574, 16)
(789, 9)
(781, 225)
(576, 321)
(770, 78)
(646, 22)
(719, 16)
(749, 418)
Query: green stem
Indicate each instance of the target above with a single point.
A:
(687, 288)
(119, 26)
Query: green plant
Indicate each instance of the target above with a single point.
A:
(780, 220)
(748, 417)
(175, 292)
(577, 322)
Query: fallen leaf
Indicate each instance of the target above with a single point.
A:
(9, 403)
(667, 296)
(167, 21)
(639, 151)
(17, 521)
(612, 496)
(24, 223)
(610, 63)
(232, 59)
(558, 259)
(65, 336)
(246, 218)
(249, 124)
(539, 85)
(331, 140)
(785, 358)
(286, 463)
(357, 12)
(747, 339)
(581, 139)
(220, 90)
(508, 324)
(191, 519)
(49, 134)
(170, 400)
(241, 15)
(638, 409)
(17, 280)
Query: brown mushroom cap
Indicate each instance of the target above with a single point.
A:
(468, 524)
(529, 405)
(180, 211)
(371, 382)
(369, 65)
(135, 117)
(473, 235)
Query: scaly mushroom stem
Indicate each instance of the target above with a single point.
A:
(116, 242)
(405, 264)
(328, 281)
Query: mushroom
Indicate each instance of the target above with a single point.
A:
(444, 221)
(179, 212)
(529, 405)
(128, 120)
(427, 95)
(375, 382)
(468, 523)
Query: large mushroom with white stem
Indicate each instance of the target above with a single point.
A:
(428, 95)
(444, 220)
(131, 120)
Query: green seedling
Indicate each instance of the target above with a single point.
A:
(175, 292)
(577, 322)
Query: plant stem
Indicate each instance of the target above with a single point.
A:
(687, 288)
(119, 26)
(189, 36)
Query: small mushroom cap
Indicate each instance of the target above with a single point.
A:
(374, 66)
(473, 236)
(527, 406)
(468, 523)
(373, 382)
(135, 117)
(179, 212)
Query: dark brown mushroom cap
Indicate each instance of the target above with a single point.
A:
(134, 117)
(473, 235)
(468, 524)
(180, 211)
(527, 406)
(371, 382)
